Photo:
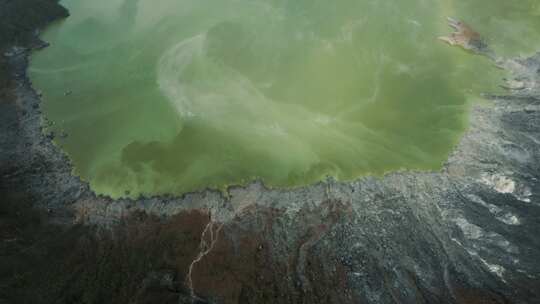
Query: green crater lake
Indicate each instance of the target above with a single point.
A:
(172, 96)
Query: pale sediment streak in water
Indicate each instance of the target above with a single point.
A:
(172, 65)
(199, 86)
(72, 68)
(221, 90)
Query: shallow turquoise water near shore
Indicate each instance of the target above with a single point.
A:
(176, 96)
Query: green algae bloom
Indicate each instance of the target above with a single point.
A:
(173, 96)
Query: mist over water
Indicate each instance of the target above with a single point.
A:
(173, 96)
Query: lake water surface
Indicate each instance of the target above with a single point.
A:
(172, 96)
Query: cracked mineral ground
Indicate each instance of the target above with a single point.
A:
(269, 151)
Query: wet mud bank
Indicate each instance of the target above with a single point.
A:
(466, 234)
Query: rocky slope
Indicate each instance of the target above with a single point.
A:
(466, 234)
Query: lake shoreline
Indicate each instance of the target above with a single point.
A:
(487, 194)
